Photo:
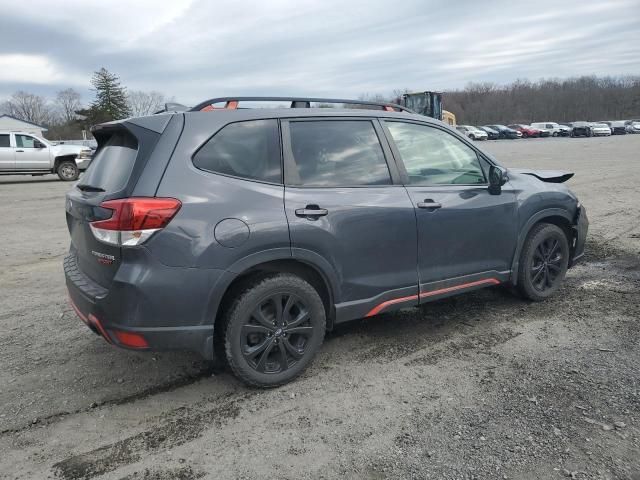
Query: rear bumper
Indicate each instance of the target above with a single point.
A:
(169, 308)
(580, 229)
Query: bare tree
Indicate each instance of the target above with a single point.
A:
(29, 107)
(144, 103)
(68, 102)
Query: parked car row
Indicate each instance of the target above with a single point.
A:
(550, 129)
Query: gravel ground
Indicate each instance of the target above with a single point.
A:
(483, 385)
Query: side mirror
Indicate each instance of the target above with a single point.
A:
(38, 144)
(497, 178)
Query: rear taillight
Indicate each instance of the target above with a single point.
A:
(134, 220)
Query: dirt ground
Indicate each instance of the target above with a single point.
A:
(484, 385)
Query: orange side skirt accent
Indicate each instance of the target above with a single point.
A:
(377, 309)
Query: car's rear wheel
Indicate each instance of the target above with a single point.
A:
(543, 262)
(68, 171)
(273, 330)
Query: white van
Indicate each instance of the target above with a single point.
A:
(555, 128)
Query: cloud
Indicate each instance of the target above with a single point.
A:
(196, 50)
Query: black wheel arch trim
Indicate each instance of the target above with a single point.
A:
(305, 257)
(524, 232)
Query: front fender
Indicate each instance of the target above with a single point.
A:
(526, 228)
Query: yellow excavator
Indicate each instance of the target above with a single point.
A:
(429, 104)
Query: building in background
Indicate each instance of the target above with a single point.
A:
(9, 123)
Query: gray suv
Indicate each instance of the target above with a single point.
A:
(248, 233)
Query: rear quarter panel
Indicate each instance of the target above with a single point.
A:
(246, 216)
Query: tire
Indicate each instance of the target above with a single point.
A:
(258, 341)
(555, 134)
(543, 262)
(68, 171)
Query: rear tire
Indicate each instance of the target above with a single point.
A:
(273, 330)
(543, 262)
(68, 171)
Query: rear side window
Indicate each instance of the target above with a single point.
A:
(338, 153)
(113, 163)
(245, 149)
(4, 141)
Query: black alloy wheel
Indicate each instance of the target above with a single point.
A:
(276, 333)
(546, 264)
(543, 262)
(273, 330)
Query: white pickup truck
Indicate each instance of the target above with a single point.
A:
(27, 154)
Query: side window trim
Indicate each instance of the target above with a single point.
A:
(291, 175)
(400, 164)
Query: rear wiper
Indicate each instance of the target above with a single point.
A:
(89, 188)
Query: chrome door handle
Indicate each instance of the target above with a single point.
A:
(19, 151)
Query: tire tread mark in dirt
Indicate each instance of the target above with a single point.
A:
(186, 425)
(147, 392)
(180, 473)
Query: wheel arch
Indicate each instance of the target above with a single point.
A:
(235, 279)
(556, 216)
(62, 158)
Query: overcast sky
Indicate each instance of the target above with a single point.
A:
(200, 49)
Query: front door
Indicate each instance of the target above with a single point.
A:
(28, 156)
(7, 160)
(347, 210)
(466, 235)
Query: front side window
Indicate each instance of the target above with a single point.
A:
(434, 157)
(25, 141)
(335, 153)
(244, 149)
(4, 141)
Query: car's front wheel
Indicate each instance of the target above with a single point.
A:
(68, 171)
(543, 262)
(273, 330)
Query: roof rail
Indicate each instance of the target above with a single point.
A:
(296, 102)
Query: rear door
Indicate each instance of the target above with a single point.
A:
(466, 236)
(347, 209)
(7, 159)
(27, 156)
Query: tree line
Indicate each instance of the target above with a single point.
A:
(588, 98)
(66, 117)
(584, 98)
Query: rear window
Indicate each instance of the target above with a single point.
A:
(112, 165)
(338, 153)
(4, 141)
(245, 149)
